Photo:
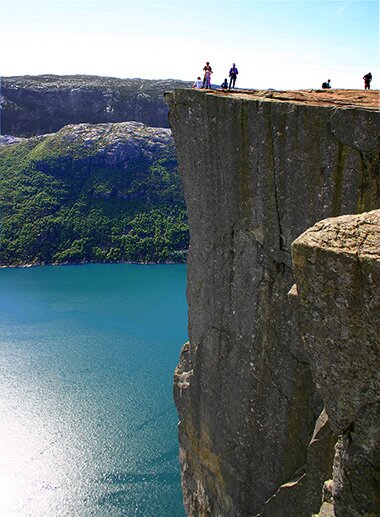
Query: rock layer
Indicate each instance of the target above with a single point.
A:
(337, 270)
(257, 172)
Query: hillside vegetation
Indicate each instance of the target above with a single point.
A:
(104, 193)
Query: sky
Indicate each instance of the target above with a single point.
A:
(275, 43)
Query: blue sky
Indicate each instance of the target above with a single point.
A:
(275, 44)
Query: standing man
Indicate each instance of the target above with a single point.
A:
(207, 75)
(233, 73)
(367, 81)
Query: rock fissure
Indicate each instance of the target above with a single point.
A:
(273, 173)
(347, 477)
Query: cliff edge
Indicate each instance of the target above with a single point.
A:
(258, 170)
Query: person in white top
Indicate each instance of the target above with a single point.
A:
(198, 83)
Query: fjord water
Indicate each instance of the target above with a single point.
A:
(87, 421)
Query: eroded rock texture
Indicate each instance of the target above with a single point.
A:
(337, 271)
(257, 173)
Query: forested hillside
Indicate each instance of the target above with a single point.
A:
(105, 192)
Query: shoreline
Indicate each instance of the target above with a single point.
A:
(28, 266)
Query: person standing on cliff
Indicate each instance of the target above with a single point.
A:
(367, 81)
(233, 74)
(207, 75)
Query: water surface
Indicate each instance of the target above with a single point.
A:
(87, 421)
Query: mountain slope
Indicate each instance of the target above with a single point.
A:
(33, 105)
(106, 192)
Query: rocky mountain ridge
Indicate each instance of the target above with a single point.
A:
(32, 105)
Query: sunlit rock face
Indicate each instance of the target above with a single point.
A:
(34, 105)
(257, 172)
(337, 270)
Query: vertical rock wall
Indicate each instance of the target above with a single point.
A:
(337, 270)
(256, 174)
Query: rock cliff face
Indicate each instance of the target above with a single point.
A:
(257, 172)
(337, 270)
(34, 105)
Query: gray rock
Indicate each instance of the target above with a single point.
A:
(256, 174)
(9, 140)
(337, 270)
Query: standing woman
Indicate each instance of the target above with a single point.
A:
(207, 75)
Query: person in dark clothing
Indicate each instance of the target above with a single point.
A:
(327, 84)
(224, 84)
(367, 81)
(233, 74)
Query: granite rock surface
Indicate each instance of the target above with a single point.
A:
(337, 271)
(257, 172)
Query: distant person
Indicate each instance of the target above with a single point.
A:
(198, 83)
(367, 81)
(327, 84)
(224, 85)
(207, 79)
(207, 75)
(233, 74)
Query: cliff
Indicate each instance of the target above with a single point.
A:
(34, 105)
(92, 193)
(337, 300)
(258, 170)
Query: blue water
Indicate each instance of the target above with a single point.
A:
(87, 421)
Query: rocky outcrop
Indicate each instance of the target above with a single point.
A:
(257, 172)
(34, 105)
(9, 140)
(337, 272)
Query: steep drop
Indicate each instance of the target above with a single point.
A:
(257, 172)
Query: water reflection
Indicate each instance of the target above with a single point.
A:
(87, 422)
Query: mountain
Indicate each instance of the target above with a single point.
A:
(34, 105)
(106, 192)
